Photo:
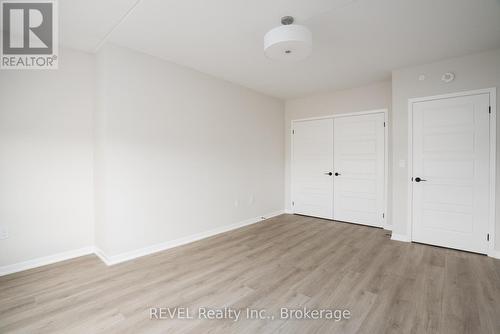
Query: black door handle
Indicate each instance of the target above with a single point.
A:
(417, 179)
(337, 174)
(329, 173)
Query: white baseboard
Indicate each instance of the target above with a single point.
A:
(43, 261)
(115, 259)
(111, 260)
(400, 237)
(100, 254)
(494, 254)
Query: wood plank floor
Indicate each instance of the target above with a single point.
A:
(288, 261)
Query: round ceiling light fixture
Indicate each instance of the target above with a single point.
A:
(288, 42)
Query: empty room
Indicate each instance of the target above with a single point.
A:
(234, 166)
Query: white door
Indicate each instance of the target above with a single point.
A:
(451, 172)
(359, 179)
(312, 166)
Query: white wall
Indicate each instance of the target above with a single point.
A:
(472, 72)
(369, 97)
(46, 185)
(179, 152)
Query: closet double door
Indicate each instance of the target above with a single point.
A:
(338, 168)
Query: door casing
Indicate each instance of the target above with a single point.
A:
(492, 191)
(385, 225)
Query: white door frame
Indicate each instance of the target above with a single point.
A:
(385, 224)
(492, 194)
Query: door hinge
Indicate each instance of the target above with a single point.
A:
(384, 124)
(383, 215)
(489, 110)
(293, 132)
(488, 237)
(293, 203)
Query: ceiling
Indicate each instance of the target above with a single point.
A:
(354, 41)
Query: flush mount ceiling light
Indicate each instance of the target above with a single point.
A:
(288, 42)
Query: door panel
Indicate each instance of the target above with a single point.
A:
(359, 159)
(451, 153)
(312, 159)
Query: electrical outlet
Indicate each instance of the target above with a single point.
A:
(4, 232)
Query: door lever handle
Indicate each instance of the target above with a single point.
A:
(329, 173)
(417, 179)
(337, 174)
